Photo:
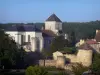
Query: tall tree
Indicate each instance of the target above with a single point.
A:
(72, 39)
(9, 52)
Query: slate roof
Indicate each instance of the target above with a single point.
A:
(23, 28)
(97, 37)
(46, 33)
(53, 17)
(85, 46)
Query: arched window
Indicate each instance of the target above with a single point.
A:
(22, 39)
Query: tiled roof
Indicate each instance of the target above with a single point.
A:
(85, 46)
(46, 33)
(23, 28)
(53, 17)
(91, 42)
(97, 37)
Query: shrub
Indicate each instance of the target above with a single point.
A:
(96, 64)
(79, 69)
(62, 73)
(70, 50)
(36, 70)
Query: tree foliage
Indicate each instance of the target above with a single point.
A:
(9, 52)
(36, 70)
(96, 64)
(79, 69)
(58, 43)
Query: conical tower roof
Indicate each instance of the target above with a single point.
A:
(53, 17)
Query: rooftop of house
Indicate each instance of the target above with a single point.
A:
(47, 33)
(91, 42)
(23, 28)
(85, 46)
(53, 17)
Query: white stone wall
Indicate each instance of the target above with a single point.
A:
(17, 38)
(33, 44)
(41, 44)
(13, 34)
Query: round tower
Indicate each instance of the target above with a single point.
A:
(60, 63)
(84, 55)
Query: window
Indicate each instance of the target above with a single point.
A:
(22, 39)
(28, 38)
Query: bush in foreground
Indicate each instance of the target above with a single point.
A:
(96, 64)
(79, 69)
(36, 70)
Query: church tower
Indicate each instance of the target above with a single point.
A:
(53, 23)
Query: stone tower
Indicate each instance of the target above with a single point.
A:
(53, 23)
(84, 55)
(60, 63)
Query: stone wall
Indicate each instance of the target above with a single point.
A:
(47, 63)
(72, 58)
(83, 56)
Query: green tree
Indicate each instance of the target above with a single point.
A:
(57, 44)
(79, 69)
(9, 52)
(72, 39)
(36, 70)
(96, 64)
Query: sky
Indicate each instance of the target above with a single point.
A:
(31, 11)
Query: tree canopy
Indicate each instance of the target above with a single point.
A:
(10, 54)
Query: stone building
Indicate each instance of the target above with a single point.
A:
(34, 39)
(83, 56)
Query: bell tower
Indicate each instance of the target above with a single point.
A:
(53, 23)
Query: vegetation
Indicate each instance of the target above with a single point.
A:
(96, 64)
(10, 54)
(61, 44)
(79, 69)
(57, 44)
(70, 50)
(36, 70)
